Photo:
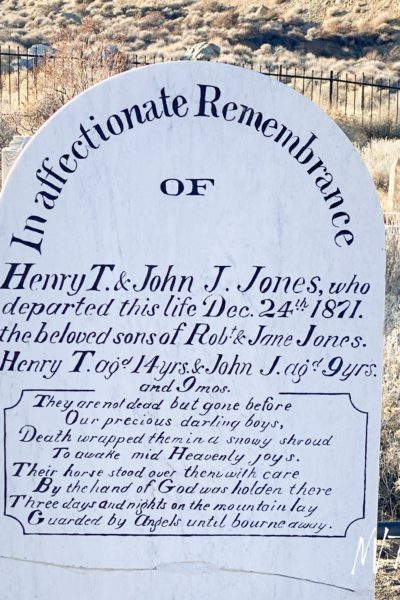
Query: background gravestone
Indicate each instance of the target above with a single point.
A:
(192, 307)
(10, 153)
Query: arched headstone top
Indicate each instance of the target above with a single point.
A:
(192, 291)
(279, 125)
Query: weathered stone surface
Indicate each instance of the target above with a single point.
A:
(72, 17)
(203, 51)
(36, 53)
(190, 347)
(11, 153)
(41, 50)
(264, 11)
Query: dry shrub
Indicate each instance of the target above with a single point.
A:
(16, 21)
(383, 18)
(335, 11)
(379, 155)
(107, 9)
(389, 485)
(338, 26)
(389, 497)
(154, 18)
(80, 62)
(50, 7)
(7, 130)
(294, 15)
(225, 21)
(28, 38)
(212, 6)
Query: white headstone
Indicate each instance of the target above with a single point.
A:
(191, 295)
(10, 154)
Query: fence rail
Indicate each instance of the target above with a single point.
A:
(373, 104)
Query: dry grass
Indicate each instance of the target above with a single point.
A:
(379, 155)
(389, 497)
(388, 581)
(60, 81)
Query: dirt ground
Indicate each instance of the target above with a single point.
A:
(388, 580)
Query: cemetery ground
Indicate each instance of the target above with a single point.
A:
(388, 581)
(388, 573)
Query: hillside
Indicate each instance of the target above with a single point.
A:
(352, 36)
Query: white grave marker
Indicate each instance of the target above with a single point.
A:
(10, 153)
(191, 293)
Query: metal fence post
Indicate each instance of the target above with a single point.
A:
(330, 88)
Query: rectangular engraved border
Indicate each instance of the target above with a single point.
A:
(184, 535)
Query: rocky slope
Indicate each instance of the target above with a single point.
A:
(346, 35)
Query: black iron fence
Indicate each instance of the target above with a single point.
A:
(373, 103)
(26, 78)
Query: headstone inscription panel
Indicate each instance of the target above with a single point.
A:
(191, 295)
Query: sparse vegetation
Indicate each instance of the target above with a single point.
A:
(379, 155)
(389, 497)
(314, 35)
(59, 81)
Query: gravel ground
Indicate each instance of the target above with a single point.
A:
(388, 580)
